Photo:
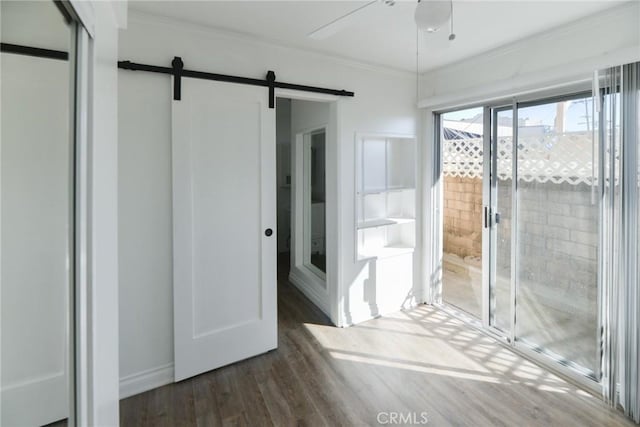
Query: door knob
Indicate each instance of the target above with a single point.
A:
(268, 232)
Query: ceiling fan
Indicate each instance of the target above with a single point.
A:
(430, 16)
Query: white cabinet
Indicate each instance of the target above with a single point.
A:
(385, 195)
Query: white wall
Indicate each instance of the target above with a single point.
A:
(283, 159)
(384, 102)
(565, 54)
(308, 115)
(145, 227)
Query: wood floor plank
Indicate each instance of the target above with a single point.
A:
(412, 362)
(205, 403)
(183, 401)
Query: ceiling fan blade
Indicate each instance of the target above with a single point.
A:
(338, 24)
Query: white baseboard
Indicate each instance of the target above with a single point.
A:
(300, 281)
(146, 380)
(363, 312)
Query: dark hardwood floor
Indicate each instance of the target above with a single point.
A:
(413, 362)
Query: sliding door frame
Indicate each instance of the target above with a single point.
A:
(81, 59)
(560, 366)
(489, 237)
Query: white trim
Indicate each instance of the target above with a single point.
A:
(334, 264)
(136, 16)
(554, 78)
(305, 96)
(527, 84)
(148, 379)
(84, 324)
(307, 283)
(85, 14)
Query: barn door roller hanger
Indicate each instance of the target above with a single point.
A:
(178, 71)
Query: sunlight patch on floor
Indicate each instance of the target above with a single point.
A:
(428, 336)
(413, 367)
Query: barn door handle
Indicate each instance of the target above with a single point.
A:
(268, 232)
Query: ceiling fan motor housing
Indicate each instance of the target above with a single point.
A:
(430, 15)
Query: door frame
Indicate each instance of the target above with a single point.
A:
(435, 223)
(333, 170)
(489, 231)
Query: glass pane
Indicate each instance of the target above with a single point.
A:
(374, 155)
(557, 234)
(462, 161)
(503, 158)
(37, 222)
(315, 199)
(401, 155)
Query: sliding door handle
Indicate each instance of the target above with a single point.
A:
(486, 217)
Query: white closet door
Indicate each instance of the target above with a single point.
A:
(35, 195)
(224, 200)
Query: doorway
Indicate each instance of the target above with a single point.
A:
(302, 141)
(521, 225)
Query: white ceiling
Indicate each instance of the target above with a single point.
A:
(381, 35)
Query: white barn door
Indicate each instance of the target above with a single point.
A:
(224, 218)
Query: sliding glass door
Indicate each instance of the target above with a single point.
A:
(535, 233)
(556, 230)
(462, 165)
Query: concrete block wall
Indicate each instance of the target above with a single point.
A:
(558, 241)
(463, 216)
(557, 234)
